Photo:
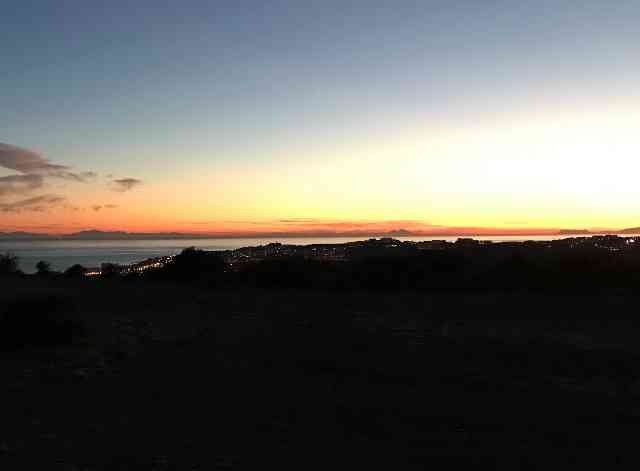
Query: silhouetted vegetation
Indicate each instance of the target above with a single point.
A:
(458, 268)
(388, 265)
(8, 264)
(192, 265)
(75, 271)
(43, 268)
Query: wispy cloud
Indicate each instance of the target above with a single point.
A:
(37, 203)
(125, 184)
(88, 175)
(316, 227)
(99, 207)
(338, 225)
(299, 221)
(19, 184)
(32, 172)
(28, 162)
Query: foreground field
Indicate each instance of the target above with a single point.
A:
(175, 377)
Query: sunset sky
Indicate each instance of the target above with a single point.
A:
(291, 116)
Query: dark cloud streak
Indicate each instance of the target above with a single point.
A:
(98, 207)
(32, 171)
(88, 175)
(125, 184)
(30, 163)
(37, 203)
(19, 184)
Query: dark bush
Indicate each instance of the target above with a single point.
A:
(43, 268)
(43, 321)
(192, 265)
(8, 264)
(75, 271)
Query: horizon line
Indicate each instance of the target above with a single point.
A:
(443, 232)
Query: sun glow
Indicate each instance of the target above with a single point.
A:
(573, 169)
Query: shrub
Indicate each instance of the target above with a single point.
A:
(191, 265)
(8, 264)
(75, 271)
(44, 268)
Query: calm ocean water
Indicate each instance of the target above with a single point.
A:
(64, 253)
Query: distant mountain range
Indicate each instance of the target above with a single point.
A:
(122, 235)
(574, 232)
(628, 231)
(97, 235)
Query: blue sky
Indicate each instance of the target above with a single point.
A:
(157, 87)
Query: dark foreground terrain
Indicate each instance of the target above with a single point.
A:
(161, 376)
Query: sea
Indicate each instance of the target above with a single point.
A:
(62, 254)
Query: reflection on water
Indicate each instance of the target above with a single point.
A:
(91, 253)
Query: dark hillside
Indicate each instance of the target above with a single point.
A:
(174, 377)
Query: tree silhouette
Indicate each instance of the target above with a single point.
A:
(43, 267)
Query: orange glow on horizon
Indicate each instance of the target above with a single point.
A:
(535, 173)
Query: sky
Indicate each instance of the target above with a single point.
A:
(304, 117)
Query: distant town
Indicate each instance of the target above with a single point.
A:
(237, 258)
